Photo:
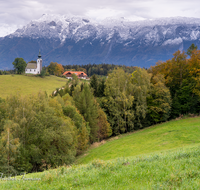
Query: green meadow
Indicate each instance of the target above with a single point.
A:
(169, 135)
(12, 84)
(177, 169)
(165, 156)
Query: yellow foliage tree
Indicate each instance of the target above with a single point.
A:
(58, 69)
(104, 129)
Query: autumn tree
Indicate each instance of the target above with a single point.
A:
(194, 64)
(104, 128)
(59, 70)
(174, 71)
(182, 77)
(55, 69)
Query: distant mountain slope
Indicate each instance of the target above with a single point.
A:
(78, 40)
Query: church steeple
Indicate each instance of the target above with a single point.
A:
(39, 56)
(39, 63)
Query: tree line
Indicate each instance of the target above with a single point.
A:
(100, 69)
(57, 69)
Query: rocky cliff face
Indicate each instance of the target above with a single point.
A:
(78, 40)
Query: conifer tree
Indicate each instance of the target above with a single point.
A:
(94, 84)
(86, 104)
(101, 88)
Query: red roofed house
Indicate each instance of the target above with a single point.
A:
(79, 74)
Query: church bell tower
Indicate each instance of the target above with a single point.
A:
(39, 63)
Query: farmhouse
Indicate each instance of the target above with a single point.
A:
(34, 67)
(79, 74)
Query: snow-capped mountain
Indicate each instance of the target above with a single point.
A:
(67, 39)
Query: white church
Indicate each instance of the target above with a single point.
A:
(34, 67)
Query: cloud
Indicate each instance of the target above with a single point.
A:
(20, 12)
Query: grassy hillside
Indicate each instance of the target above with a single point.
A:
(159, 163)
(10, 84)
(178, 169)
(169, 135)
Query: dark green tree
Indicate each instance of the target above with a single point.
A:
(101, 88)
(186, 100)
(191, 49)
(52, 68)
(19, 65)
(159, 101)
(94, 84)
(43, 72)
(86, 104)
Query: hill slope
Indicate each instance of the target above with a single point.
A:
(169, 135)
(11, 84)
(177, 168)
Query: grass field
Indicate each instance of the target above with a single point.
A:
(11, 84)
(169, 135)
(177, 169)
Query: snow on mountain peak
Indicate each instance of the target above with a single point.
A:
(163, 31)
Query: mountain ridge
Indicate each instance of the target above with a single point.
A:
(81, 40)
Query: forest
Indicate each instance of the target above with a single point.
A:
(40, 131)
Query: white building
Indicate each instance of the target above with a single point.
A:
(34, 67)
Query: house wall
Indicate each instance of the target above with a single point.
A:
(68, 77)
(31, 71)
(80, 76)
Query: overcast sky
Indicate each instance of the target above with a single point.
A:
(16, 13)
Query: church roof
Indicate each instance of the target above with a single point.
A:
(39, 56)
(31, 66)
